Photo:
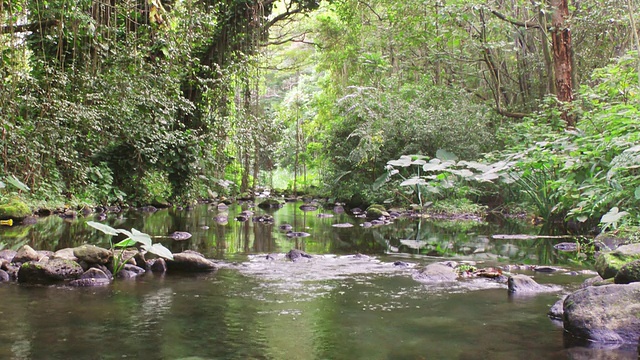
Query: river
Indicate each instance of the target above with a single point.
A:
(332, 306)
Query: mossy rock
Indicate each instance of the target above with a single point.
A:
(629, 273)
(15, 209)
(375, 211)
(609, 263)
(160, 202)
(271, 203)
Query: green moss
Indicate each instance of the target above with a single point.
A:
(14, 209)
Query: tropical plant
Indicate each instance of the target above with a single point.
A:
(134, 238)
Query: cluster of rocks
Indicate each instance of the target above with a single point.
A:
(90, 265)
(605, 309)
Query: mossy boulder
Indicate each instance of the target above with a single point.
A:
(92, 254)
(160, 202)
(604, 314)
(609, 263)
(190, 261)
(49, 271)
(375, 211)
(271, 203)
(15, 209)
(629, 273)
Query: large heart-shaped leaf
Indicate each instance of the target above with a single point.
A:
(160, 250)
(613, 216)
(102, 227)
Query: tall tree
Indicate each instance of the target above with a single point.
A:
(561, 43)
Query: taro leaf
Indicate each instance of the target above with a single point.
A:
(487, 177)
(637, 193)
(475, 165)
(418, 162)
(613, 216)
(2, 185)
(465, 173)
(102, 227)
(383, 179)
(125, 243)
(17, 183)
(413, 181)
(141, 237)
(582, 218)
(436, 165)
(404, 161)
(160, 250)
(445, 155)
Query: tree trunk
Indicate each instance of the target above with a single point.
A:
(561, 43)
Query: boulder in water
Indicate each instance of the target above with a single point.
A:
(296, 255)
(435, 273)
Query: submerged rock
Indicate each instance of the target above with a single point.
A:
(4, 276)
(607, 314)
(271, 203)
(190, 261)
(92, 277)
(566, 246)
(296, 255)
(436, 272)
(523, 284)
(557, 310)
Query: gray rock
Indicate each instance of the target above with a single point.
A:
(4, 276)
(628, 273)
(48, 272)
(556, 311)
(436, 272)
(566, 246)
(605, 314)
(8, 255)
(523, 284)
(92, 254)
(26, 254)
(134, 269)
(92, 277)
(297, 255)
(190, 262)
(609, 263)
(158, 265)
(596, 280)
(65, 254)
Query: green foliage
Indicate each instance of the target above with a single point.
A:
(134, 238)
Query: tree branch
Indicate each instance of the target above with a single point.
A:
(524, 24)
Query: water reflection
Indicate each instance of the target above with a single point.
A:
(232, 239)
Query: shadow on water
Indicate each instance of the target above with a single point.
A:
(334, 306)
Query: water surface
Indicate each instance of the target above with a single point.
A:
(333, 306)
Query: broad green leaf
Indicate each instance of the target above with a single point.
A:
(637, 193)
(141, 237)
(160, 250)
(413, 181)
(102, 227)
(125, 243)
(613, 216)
(2, 185)
(582, 218)
(445, 155)
(404, 161)
(17, 183)
(462, 173)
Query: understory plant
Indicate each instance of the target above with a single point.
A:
(134, 238)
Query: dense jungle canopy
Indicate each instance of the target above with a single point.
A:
(515, 104)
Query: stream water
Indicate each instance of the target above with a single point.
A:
(333, 306)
